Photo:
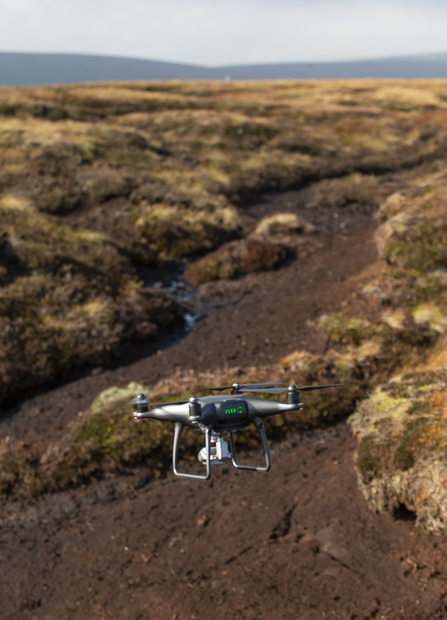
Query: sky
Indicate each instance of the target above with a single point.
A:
(225, 32)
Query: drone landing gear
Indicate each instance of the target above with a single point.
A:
(177, 434)
(218, 453)
(261, 430)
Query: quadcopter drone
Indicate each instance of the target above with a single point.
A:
(222, 414)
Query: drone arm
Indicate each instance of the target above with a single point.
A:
(179, 426)
(261, 430)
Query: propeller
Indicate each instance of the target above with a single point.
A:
(307, 388)
(171, 402)
(138, 400)
(261, 388)
(141, 400)
(238, 386)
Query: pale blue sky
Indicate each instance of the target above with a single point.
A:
(213, 32)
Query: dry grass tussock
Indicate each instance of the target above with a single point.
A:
(402, 426)
(66, 296)
(274, 239)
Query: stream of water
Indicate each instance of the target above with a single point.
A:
(170, 278)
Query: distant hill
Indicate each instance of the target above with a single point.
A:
(21, 69)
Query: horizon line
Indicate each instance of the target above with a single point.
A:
(426, 56)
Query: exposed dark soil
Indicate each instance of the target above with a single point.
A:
(299, 542)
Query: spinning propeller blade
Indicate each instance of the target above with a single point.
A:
(245, 385)
(143, 401)
(172, 402)
(307, 388)
(266, 391)
(261, 385)
(138, 400)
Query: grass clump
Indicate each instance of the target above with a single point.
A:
(68, 297)
(236, 258)
(401, 456)
(344, 329)
(413, 235)
(282, 226)
(402, 426)
(114, 393)
(106, 442)
(270, 244)
(178, 232)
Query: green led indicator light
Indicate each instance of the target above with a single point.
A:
(234, 410)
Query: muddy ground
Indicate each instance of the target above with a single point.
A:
(298, 542)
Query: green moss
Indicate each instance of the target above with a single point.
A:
(208, 269)
(114, 394)
(12, 470)
(371, 456)
(422, 247)
(113, 439)
(404, 456)
(345, 329)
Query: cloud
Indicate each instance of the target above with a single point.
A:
(213, 32)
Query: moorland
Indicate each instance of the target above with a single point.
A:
(312, 214)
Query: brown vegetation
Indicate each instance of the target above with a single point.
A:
(236, 258)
